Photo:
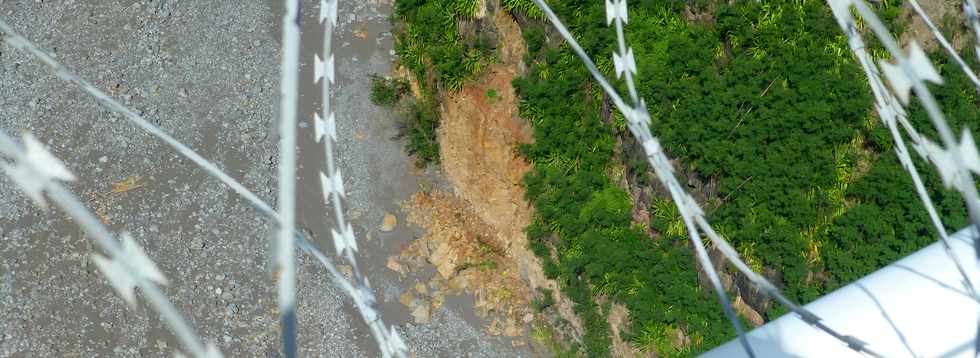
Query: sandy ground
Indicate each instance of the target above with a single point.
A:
(205, 71)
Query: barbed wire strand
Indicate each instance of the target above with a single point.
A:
(963, 179)
(625, 64)
(956, 169)
(289, 101)
(20, 43)
(945, 44)
(105, 240)
(638, 121)
(970, 9)
(332, 182)
(890, 112)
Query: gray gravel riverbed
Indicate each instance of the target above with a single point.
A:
(206, 72)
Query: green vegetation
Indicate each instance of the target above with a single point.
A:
(544, 300)
(522, 7)
(418, 118)
(492, 95)
(387, 91)
(431, 46)
(756, 97)
(421, 119)
(429, 42)
(766, 110)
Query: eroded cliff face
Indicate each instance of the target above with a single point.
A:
(483, 220)
(479, 136)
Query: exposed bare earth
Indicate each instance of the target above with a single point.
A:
(484, 219)
(939, 11)
(468, 258)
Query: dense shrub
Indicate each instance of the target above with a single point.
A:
(760, 97)
(387, 91)
(430, 46)
(751, 98)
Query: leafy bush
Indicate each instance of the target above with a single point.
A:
(419, 124)
(387, 91)
(523, 7)
(753, 101)
(429, 45)
(544, 300)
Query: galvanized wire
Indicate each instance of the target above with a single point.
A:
(956, 170)
(970, 9)
(892, 114)
(638, 120)
(345, 241)
(625, 64)
(122, 268)
(20, 43)
(945, 44)
(289, 101)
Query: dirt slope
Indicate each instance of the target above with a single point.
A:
(483, 220)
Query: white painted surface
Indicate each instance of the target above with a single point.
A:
(916, 306)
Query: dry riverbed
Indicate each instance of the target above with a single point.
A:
(206, 72)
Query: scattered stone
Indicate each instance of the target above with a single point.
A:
(421, 289)
(437, 300)
(361, 33)
(395, 266)
(422, 314)
(231, 309)
(389, 222)
(408, 299)
(346, 270)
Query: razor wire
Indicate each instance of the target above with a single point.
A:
(638, 121)
(24, 45)
(625, 64)
(332, 183)
(126, 266)
(891, 113)
(959, 159)
(950, 162)
(955, 163)
(970, 9)
(954, 171)
(945, 44)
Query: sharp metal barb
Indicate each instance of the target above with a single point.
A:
(344, 237)
(21, 43)
(945, 44)
(890, 113)
(915, 72)
(638, 123)
(127, 265)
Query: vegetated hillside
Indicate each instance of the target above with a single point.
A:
(772, 125)
(441, 57)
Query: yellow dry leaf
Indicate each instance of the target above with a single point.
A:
(102, 218)
(131, 183)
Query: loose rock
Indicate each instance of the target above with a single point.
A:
(389, 222)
